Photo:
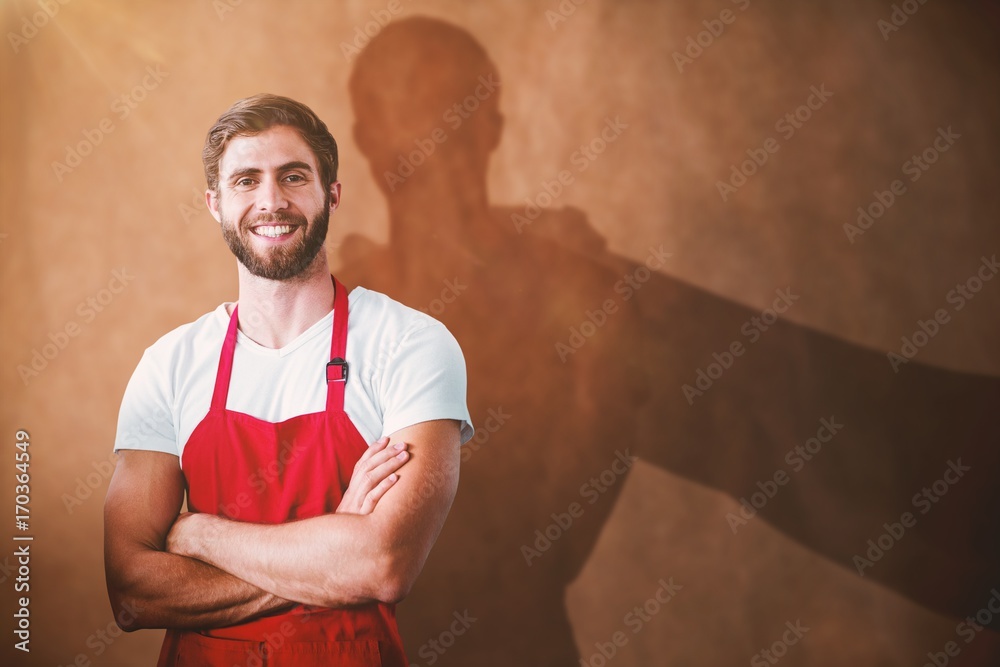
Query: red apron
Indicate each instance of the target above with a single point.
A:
(246, 469)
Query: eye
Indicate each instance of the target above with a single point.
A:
(244, 182)
(295, 178)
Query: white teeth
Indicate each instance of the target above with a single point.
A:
(272, 231)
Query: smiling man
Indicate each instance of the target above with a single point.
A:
(301, 537)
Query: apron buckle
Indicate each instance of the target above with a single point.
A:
(336, 370)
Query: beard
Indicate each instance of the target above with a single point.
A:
(284, 262)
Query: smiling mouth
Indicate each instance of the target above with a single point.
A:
(272, 231)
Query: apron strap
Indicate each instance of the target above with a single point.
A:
(225, 364)
(337, 368)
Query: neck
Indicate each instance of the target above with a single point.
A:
(273, 313)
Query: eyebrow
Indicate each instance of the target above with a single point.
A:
(254, 171)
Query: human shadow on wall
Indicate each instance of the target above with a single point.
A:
(552, 421)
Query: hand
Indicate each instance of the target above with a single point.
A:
(374, 474)
(180, 538)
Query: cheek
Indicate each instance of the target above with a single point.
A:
(308, 201)
(235, 208)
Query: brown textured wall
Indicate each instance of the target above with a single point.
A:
(129, 215)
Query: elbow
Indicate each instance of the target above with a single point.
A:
(128, 612)
(394, 590)
(396, 579)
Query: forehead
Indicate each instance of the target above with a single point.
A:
(266, 151)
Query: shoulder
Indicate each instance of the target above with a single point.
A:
(409, 362)
(377, 314)
(188, 341)
(151, 405)
(390, 340)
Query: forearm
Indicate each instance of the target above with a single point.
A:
(341, 559)
(332, 560)
(163, 590)
(150, 587)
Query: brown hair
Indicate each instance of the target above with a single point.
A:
(257, 113)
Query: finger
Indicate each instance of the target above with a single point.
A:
(378, 473)
(389, 464)
(378, 458)
(376, 494)
(375, 448)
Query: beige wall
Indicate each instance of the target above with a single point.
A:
(131, 206)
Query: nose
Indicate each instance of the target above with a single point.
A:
(271, 196)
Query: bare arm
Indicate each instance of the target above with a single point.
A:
(342, 559)
(166, 590)
(157, 588)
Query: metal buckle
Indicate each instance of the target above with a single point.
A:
(336, 370)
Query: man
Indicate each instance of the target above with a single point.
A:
(301, 538)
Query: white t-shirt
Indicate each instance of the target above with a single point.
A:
(405, 368)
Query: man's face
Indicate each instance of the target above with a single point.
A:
(272, 207)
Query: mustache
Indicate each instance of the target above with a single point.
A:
(277, 218)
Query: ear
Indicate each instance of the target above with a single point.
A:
(212, 201)
(334, 196)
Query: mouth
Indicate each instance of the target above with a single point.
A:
(273, 231)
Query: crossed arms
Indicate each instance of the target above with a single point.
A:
(201, 571)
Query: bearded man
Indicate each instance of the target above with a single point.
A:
(300, 536)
